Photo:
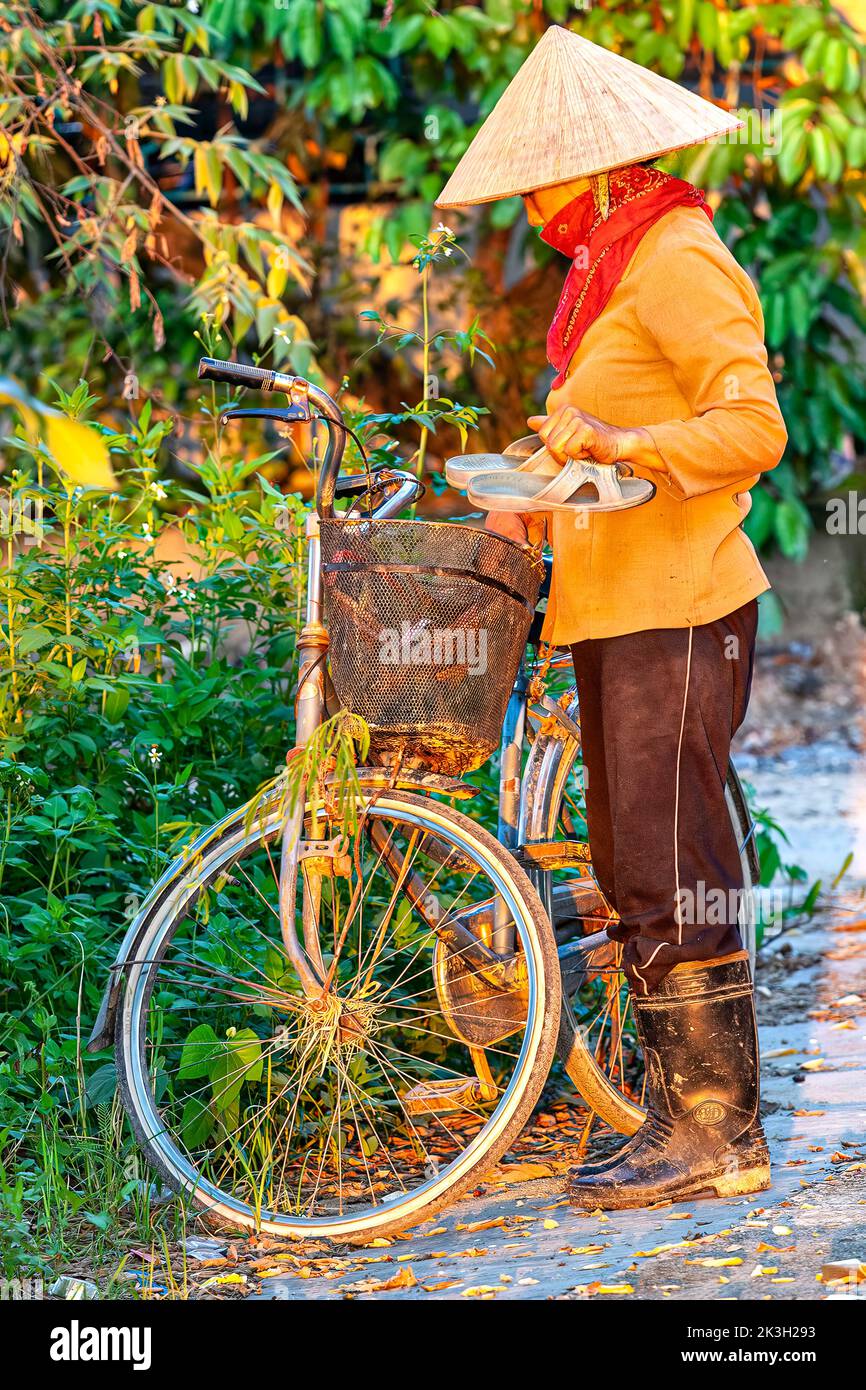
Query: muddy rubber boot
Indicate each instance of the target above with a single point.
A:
(702, 1135)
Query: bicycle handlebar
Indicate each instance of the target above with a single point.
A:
(264, 379)
(243, 374)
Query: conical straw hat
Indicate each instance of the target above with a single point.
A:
(576, 109)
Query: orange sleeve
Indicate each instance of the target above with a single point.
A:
(709, 327)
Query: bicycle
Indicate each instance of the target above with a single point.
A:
(331, 1018)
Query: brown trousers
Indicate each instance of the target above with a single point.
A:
(658, 710)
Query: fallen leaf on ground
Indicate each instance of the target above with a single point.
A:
(593, 1289)
(716, 1262)
(480, 1225)
(223, 1279)
(403, 1279)
(527, 1172)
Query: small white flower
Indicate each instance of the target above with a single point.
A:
(154, 755)
(157, 491)
(443, 228)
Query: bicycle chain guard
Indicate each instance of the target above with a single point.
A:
(475, 1010)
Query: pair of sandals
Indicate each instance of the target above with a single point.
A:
(525, 477)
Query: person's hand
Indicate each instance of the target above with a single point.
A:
(526, 528)
(511, 525)
(571, 433)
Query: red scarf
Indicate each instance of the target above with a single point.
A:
(600, 250)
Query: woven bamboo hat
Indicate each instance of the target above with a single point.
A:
(575, 109)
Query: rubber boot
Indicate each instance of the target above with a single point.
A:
(702, 1135)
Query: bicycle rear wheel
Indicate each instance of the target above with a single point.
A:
(598, 1042)
(364, 1111)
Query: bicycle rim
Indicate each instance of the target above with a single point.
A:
(386, 1155)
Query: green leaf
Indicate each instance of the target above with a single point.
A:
(201, 1047)
(101, 1084)
(196, 1123)
(32, 638)
(792, 526)
(116, 702)
(240, 1061)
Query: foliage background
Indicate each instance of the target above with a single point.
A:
(257, 176)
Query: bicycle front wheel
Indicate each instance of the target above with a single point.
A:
(364, 1110)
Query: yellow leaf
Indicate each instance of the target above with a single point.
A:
(716, 1262)
(79, 451)
(277, 280)
(275, 204)
(480, 1225)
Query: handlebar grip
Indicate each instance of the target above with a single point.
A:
(235, 373)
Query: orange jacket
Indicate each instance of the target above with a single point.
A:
(678, 350)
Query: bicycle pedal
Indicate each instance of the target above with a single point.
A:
(553, 854)
(440, 1097)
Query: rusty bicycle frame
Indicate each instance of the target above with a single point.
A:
(529, 792)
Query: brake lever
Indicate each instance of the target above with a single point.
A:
(286, 415)
(298, 410)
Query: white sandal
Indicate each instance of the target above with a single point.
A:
(523, 456)
(522, 448)
(579, 485)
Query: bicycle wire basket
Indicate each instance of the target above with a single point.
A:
(428, 623)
